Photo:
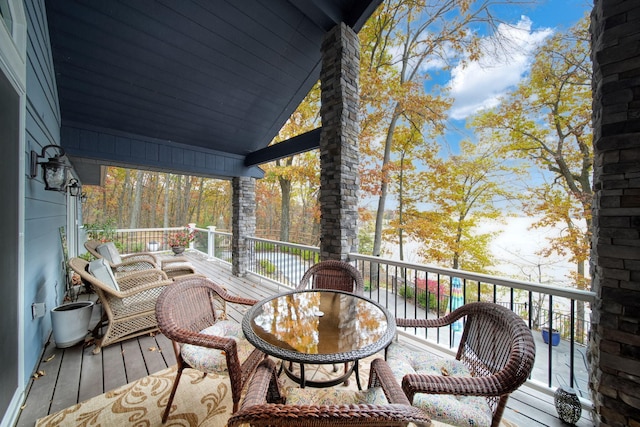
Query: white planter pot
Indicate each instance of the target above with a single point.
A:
(70, 322)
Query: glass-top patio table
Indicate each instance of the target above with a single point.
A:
(319, 327)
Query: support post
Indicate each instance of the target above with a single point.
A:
(339, 181)
(614, 346)
(243, 223)
(211, 241)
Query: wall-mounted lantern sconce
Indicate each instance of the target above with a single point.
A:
(54, 171)
(74, 188)
(83, 197)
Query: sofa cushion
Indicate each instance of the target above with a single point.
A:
(211, 360)
(462, 411)
(332, 396)
(101, 270)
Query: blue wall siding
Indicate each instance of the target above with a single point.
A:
(45, 211)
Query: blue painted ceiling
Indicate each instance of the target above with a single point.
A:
(211, 75)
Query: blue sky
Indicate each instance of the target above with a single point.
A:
(478, 85)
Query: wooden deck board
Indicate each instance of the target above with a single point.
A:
(68, 383)
(526, 409)
(91, 375)
(524, 414)
(76, 374)
(41, 389)
(166, 349)
(152, 354)
(134, 362)
(113, 366)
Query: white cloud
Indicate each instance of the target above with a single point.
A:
(481, 83)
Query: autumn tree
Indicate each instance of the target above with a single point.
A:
(267, 205)
(216, 210)
(460, 192)
(166, 200)
(298, 170)
(137, 200)
(399, 45)
(151, 199)
(411, 153)
(547, 121)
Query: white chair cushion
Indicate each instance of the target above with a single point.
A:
(101, 270)
(211, 360)
(462, 411)
(333, 396)
(109, 251)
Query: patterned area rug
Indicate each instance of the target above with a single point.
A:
(199, 401)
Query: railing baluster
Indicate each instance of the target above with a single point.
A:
(572, 345)
(550, 346)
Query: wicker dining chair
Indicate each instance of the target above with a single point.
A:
(121, 264)
(494, 357)
(265, 404)
(334, 275)
(128, 303)
(192, 313)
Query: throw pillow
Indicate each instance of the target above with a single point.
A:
(109, 251)
(101, 270)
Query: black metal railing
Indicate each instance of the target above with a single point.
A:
(557, 315)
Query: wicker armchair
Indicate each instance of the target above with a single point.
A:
(121, 264)
(128, 303)
(191, 313)
(265, 405)
(495, 356)
(335, 275)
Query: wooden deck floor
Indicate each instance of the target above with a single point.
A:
(75, 374)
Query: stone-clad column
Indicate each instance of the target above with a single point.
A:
(339, 181)
(243, 223)
(614, 347)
